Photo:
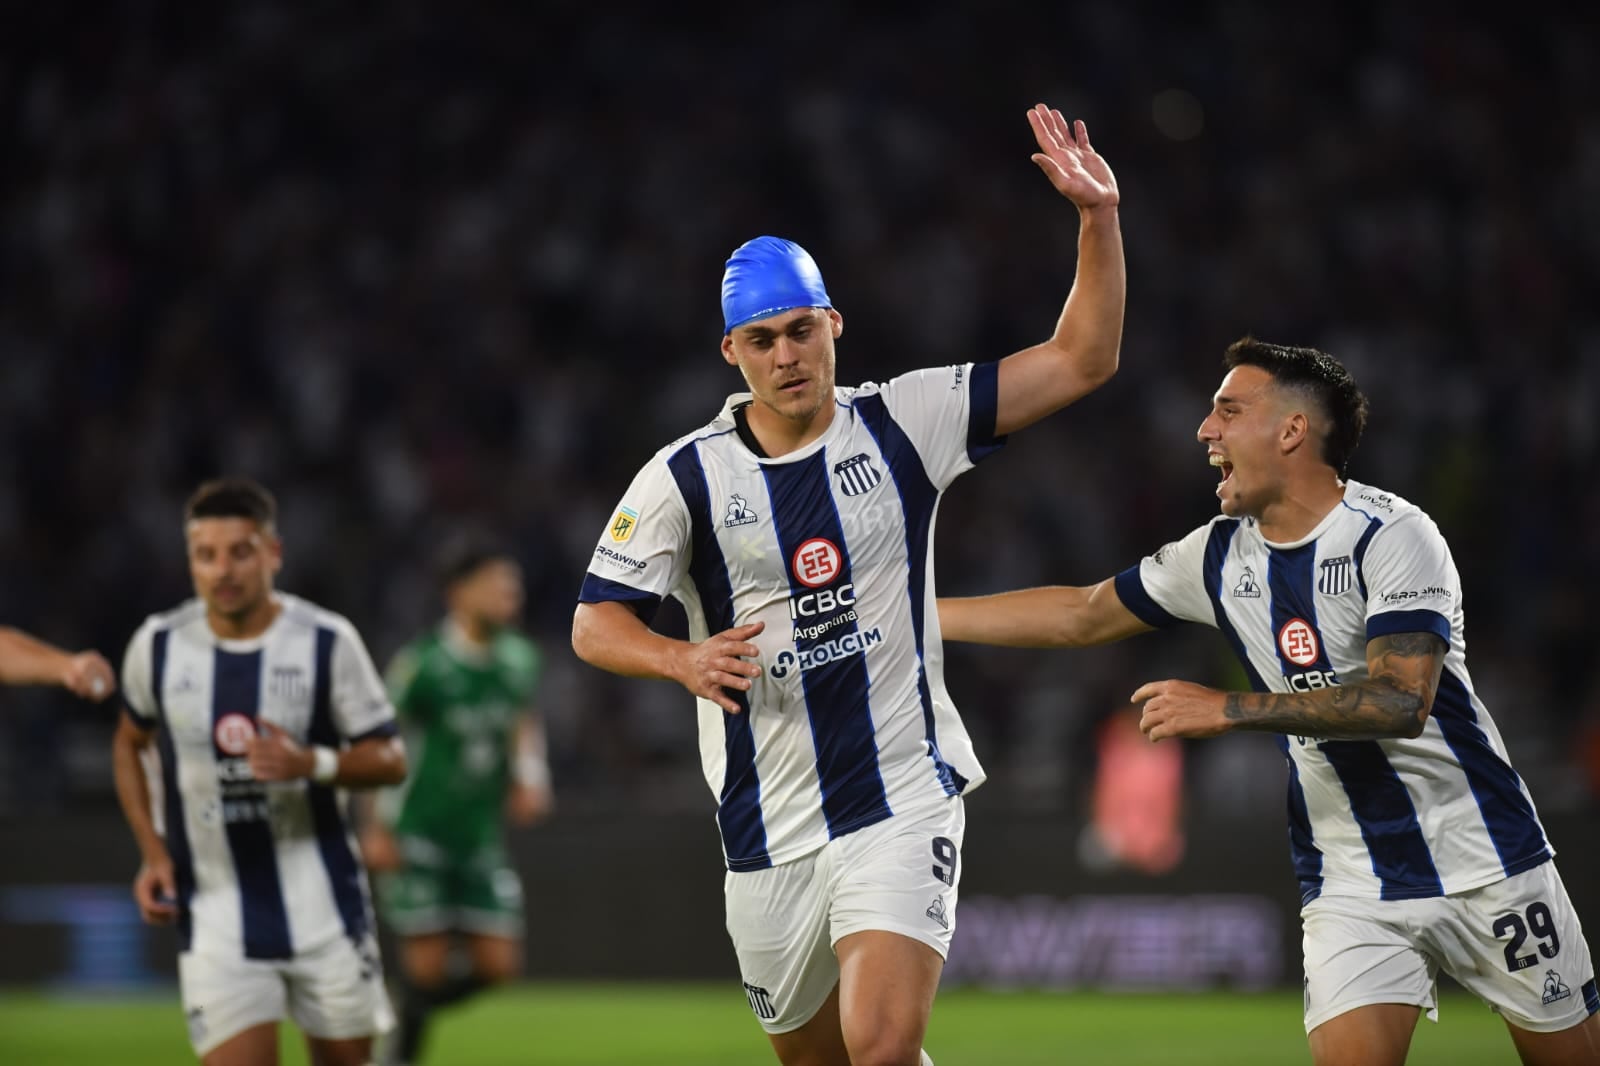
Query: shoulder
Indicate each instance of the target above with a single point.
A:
(516, 652)
(1400, 518)
(185, 614)
(304, 613)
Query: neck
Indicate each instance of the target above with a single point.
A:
(473, 630)
(1299, 509)
(251, 623)
(779, 434)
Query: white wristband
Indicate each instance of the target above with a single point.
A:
(324, 765)
(533, 772)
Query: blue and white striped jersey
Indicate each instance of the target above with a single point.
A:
(1381, 819)
(264, 871)
(832, 547)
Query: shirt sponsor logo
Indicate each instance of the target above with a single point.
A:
(623, 525)
(233, 733)
(1335, 575)
(1247, 587)
(1298, 642)
(857, 475)
(1378, 499)
(841, 647)
(739, 512)
(822, 602)
(816, 562)
(1311, 680)
(617, 559)
(1414, 594)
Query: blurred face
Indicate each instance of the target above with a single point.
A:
(491, 595)
(1248, 435)
(232, 562)
(788, 360)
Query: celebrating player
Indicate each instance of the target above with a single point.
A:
(1416, 844)
(464, 692)
(796, 529)
(263, 707)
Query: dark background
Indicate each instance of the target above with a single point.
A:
(414, 265)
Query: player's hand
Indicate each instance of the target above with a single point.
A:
(379, 849)
(1070, 162)
(276, 756)
(155, 890)
(1181, 709)
(89, 675)
(718, 663)
(528, 804)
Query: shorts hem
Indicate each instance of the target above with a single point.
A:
(779, 1028)
(1546, 1025)
(202, 1048)
(1327, 1014)
(879, 925)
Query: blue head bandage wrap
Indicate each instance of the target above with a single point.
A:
(766, 276)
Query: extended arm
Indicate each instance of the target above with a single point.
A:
(531, 797)
(1395, 700)
(1081, 355)
(1056, 616)
(27, 660)
(611, 636)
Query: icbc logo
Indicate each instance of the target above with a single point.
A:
(233, 733)
(816, 562)
(1298, 642)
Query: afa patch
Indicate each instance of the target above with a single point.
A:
(623, 525)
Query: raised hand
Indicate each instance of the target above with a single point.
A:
(89, 675)
(1070, 161)
(276, 756)
(718, 663)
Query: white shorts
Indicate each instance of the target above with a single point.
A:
(900, 875)
(1516, 944)
(334, 992)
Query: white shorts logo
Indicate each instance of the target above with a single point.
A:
(233, 733)
(816, 562)
(1298, 642)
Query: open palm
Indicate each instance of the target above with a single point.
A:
(1069, 161)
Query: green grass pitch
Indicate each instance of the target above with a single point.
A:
(710, 1025)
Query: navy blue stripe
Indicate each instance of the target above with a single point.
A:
(744, 834)
(333, 841)
(1360, 552)
(983, 412)
(1378, 798)
(1507, 813)
(1130, 590)
(918, 500)
(391, 728)
(236, 689)
(177, 833)
(1303, 852)
(1392, 622)
(1591, 997)
(603, 590)
(837, 689)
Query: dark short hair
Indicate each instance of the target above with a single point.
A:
(465, 551)
(233, 497)
(1321, 378)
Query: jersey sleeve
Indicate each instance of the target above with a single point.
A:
(1410, 578)
(644, 549)
(361, 706)
(949, 414)
(1168, 586)
(138, 695)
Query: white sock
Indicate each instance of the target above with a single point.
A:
(925, 1060)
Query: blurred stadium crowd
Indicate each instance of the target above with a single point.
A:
(410, 270)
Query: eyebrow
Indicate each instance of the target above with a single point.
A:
(765, 332)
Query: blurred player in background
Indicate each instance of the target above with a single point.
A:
(264, 707)
(797, 529)
(1417, 845)
(27, 660)
(465, 694)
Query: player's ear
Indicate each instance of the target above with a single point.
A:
(1295, 433)
(727, 350)
(274, 545)
(838, 322)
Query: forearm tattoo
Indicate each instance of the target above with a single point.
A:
(1403, 674)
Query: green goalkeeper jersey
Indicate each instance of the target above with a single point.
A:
(459, 706)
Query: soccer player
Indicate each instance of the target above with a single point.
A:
(464, 692)
(796, 529)
(27, 660)
(1416, 844)
(264, 707)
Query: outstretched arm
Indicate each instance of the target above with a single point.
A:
(1081, 355)
(1057, 616)
(611, 636)
(26, 660)
(1394, 701)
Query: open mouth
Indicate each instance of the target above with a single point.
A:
(1225, 467)
(793, 386)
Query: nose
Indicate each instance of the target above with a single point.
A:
(1207, 430)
